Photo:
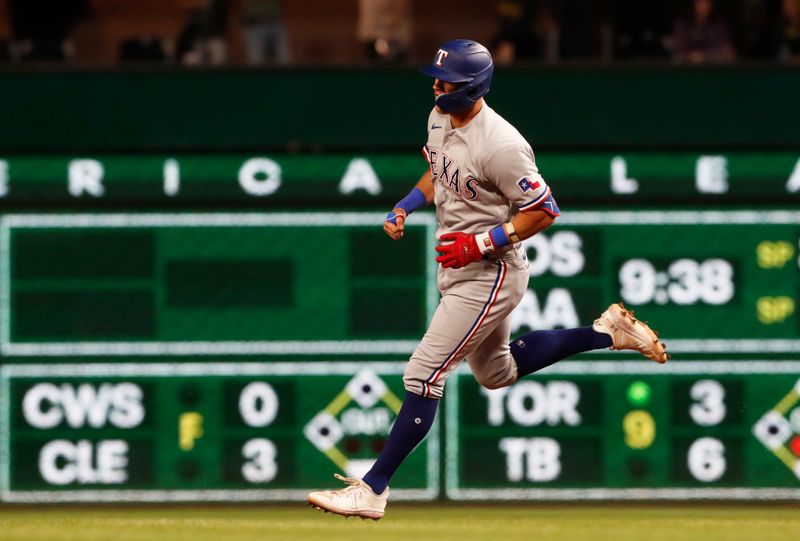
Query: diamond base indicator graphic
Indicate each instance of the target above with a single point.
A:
(352, 429)
(779, 430)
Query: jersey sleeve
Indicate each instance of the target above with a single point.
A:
(513, 170)
(426, 153)
(425, 150)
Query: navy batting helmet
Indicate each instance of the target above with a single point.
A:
(461, 61)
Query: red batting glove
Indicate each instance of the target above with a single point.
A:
(459, 253)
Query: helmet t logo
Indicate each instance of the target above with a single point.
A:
(440, 56)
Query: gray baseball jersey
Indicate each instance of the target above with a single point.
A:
(483, 174)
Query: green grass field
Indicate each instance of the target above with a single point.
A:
(613, 522)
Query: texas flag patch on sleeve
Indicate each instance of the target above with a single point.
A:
(526, 186)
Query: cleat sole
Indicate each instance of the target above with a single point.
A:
(346, 514)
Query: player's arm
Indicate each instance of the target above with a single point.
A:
(420, 195)
(464, 248)
(527, 224)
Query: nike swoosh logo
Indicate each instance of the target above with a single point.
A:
(435, 126)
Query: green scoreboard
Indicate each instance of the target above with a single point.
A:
(189, 356)
(200, 431)
(187, 315)
(272, 431)
(612, 429)
(314, 283)
(211, 284)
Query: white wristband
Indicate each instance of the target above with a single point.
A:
(511, 233)
(485, 244)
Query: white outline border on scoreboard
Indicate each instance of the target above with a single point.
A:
(181, 348)
(100, 370)
(612, 368)
(329, 219)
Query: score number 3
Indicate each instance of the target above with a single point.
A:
(706, 457)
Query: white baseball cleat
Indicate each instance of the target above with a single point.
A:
(355, 500)
(627, 332)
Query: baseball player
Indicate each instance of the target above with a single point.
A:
(489, 196)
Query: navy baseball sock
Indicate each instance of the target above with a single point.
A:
(539, 349)
(411, 426)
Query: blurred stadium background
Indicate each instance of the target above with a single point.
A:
(194, 282)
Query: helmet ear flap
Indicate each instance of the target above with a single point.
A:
(474, 93)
